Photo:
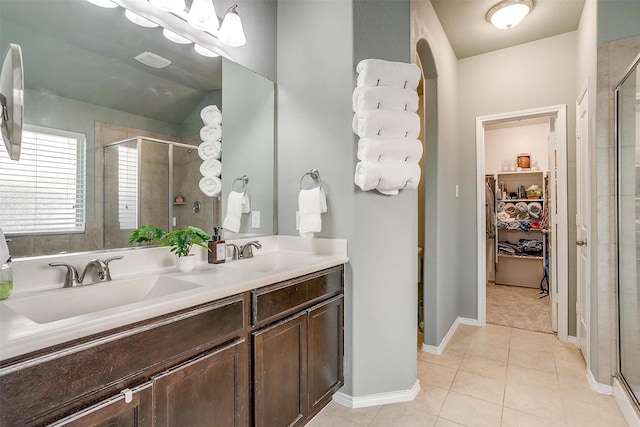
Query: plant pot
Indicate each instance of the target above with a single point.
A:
(186, 263)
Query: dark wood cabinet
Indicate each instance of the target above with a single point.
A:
(209, 390)
(279, 367)
(270, 357)
(325, 348)
(298, 364)
(122, 410)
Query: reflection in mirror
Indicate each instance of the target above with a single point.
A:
(628, 179)
(12, 100)
(81, 78)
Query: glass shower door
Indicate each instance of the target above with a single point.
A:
(628, 178)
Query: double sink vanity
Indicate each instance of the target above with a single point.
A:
(255, 341)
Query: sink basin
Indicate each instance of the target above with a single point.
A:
(66, 303)
(271, 262)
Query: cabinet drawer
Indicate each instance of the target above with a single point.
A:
(277, 301)
(64, 380)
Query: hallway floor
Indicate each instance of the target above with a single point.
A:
(518, 307)
(492, 376)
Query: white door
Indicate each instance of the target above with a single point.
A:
(582, 220)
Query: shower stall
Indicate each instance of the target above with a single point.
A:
(152, 181)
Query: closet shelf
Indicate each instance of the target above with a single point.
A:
(522, 200)
(534, 257)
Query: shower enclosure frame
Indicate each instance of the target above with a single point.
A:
(620, 376)
(139, 149)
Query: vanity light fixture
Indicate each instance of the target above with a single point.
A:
(231, 31)
(204, 51)
(509, 13)
(202, 16)
(104, 3)
(174, 6)
(175, 37)
(139, 20)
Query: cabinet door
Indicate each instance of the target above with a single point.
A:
(209, 390)
(279, 354)
(325, 347)
(116, 411)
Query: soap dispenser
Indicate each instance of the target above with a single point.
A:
(217, 247)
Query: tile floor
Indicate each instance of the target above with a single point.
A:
(492, 376)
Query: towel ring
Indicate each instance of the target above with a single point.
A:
(244, 179)
(314, 174)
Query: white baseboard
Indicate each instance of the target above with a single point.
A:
(439, 349)
(596, 386)
(572, 340)
(626, 406)
(378, 398)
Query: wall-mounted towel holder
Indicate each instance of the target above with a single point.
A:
(244, 179)
(314, 174)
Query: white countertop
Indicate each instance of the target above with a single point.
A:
(20, 335)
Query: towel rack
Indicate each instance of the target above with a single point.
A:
(314, 174)
(244, 179)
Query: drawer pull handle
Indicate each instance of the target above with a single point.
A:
(128, 395)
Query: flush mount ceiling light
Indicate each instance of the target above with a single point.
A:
(139, 20)
(202, 16)
(509, 13)
(103, 3)
(231, 31)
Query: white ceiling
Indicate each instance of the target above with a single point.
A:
(464, 22)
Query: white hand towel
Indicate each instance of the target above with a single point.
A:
(387, 177)
(211, 115)
(210, 150)
(377, 72)
(246, 203)
(311, 203)
(389, 149)
(384, 98)
(211, 132)
(386, 124)
(211, 168)
(210, 186)
(234, 211)
(4, 249)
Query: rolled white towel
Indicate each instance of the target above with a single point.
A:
(384, 98)
(386, 124)
(389, 149)
(210, 186)
(311, 204)
(378, 72)
(211, 115)
(211, 132)
(234, 211)
(387, 177)
(211, 168)
(209, 150)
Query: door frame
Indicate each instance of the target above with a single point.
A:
(562, 255)
(585, 296)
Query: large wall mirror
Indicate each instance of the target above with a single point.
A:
(117, 139)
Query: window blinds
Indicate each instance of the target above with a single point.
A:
(128, 187)
(44, 192)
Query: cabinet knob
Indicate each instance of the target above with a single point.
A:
(581, 242)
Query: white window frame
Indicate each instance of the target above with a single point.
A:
(80, 190)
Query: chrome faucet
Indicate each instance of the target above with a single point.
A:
(235, 251)
(72, 278)
(246, 251)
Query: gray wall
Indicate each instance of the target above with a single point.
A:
(443, 260)
(617, 19)
(319, 45)
(537, 74)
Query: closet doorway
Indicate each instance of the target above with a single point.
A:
(522, 223)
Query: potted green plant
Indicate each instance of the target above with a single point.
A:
(147, 235)
(181, 242)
